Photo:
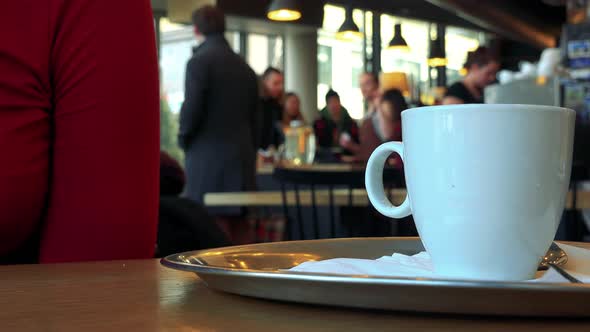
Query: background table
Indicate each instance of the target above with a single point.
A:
(143, 296)
(571, 227)
(360, 198)
(267, 208)
(341, 167)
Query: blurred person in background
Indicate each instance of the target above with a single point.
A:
(482, 68)
(271, 109)
(369, 84)
(291, 109)
(218, 119)
(335, 123)
(291, 112)
(382, 126)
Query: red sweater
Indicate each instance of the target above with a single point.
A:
(369, 141)
(79, 125)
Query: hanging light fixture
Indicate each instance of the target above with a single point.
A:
(398, 42)
(395, 80)
(284, 10)
(437, 56)
(349, 31)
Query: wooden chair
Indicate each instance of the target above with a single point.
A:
(321, 183)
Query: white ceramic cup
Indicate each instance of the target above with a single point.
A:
(486, 185)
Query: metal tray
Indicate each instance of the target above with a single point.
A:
(258, 270)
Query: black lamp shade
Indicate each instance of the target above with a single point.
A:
(349, 29)
(284, 10)
(437, 56)
(398, 41)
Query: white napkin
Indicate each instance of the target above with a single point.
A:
(420, 265)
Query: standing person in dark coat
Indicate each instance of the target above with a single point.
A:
(271, 108)
(218, 117)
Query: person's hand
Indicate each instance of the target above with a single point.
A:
(347, 159)
(345, 141)
(266, 156)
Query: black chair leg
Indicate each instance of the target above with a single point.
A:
(332, 212)
(288, 222)
(350, 206)
(299, 214)
(314, 211)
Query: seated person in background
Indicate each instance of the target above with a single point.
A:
(184, 225)
(270, 111)
(334, 123)
(369, 84)
(381, 126)
(291, 112)
(291, 109)
(482, 67)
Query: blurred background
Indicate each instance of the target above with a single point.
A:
(316, 58)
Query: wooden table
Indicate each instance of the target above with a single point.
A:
(359, 197)
(143, 296)
(274, 198)
(342, 167)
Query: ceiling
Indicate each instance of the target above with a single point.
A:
(533, 22)
(530, 21)
(417, 9)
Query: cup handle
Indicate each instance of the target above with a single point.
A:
(374, 181)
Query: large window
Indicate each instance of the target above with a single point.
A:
(176, 44)
(412, 62)
(324, 65)
(459, 42)
(340, 62)
(264, 51)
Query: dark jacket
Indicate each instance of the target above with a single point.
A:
(218, 121)
(460, 91)
(270, 133)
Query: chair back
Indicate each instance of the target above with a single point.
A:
(316, 188)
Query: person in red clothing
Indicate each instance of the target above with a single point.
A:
(382, 125)
(79, 130)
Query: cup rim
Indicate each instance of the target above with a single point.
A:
(489, 108)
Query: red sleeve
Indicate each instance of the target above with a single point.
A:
(104, 172)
